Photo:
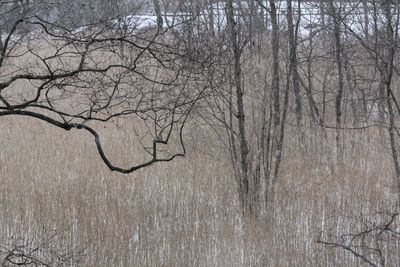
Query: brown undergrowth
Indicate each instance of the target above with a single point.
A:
(184, 213)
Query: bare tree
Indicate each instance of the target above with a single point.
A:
(243, 144)
(293, 67)
(278, 112)
(339, 63)
(157, 9)
(387, 71)
(75, 79)
(374, 244)
(383, 51)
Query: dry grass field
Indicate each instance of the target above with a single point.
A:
(61, 205)
(56, 194)
(58, 199)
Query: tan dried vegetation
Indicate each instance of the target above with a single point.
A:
(186, 212)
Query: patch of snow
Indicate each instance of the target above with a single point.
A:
(136, 22)
(80, 29)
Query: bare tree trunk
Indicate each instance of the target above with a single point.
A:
(388, 68)
(232, 139)
(1, 40)
(211, 21)
(351, 85)
(322, 9)
(243, 144)
(366, 18)
(293, 64)
(339, 94)
(393, 143)
(157, 9)
(279, 143)
(314, 111)
(275, 64)
(382, 103)
(270, 181)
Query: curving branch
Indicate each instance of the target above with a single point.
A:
(68, 78)
(372, 244)
(111, 166)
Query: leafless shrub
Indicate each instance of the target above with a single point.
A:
(39, 251)
(374, 242)
(74, 79)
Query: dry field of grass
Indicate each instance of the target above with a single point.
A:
(58, 196)
(182, 213)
